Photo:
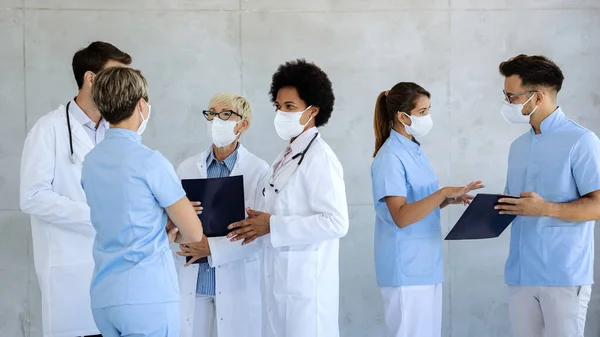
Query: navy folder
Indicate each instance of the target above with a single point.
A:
(223, 202)
(480, 220)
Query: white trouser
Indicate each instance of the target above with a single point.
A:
(413, 311)
(548, 311)
(205, 323)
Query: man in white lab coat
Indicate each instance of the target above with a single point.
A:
(221, 297)
(52, 195)
(305, 211)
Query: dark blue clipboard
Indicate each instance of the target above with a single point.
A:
(480, 220)
(223, 202)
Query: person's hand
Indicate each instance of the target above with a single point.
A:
(452, 192)
(172, 231)
(530, 204)
(464, 200)
(195, 250)
(197, 207)
(254, 226)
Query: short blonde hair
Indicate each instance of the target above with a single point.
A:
(238, 104)
(116, 91)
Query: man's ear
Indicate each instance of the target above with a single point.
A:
(88, 78)
(540, 96)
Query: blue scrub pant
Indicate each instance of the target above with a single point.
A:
(139, 320)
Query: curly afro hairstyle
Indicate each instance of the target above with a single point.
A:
(312, 83)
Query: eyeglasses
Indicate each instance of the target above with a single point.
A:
(223, 115)
(511, 97)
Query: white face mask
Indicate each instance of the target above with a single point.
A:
(144, 123)
(222, 132)
(287, 124)
(513, 113)
(419, 126)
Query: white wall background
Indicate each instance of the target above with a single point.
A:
(190, 50)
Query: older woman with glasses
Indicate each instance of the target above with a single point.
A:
(221, 297)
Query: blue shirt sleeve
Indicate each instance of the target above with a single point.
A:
(163, 181)
(389, 177)
(585, 163)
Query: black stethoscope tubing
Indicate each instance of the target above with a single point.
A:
(301, 155)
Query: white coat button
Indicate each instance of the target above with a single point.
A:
(187, 319)
(219, 293)
(191, 293)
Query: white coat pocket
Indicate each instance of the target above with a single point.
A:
(296, 273)
(64, 282)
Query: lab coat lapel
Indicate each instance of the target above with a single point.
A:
(79, 133)
(202, 168)
(241, 152)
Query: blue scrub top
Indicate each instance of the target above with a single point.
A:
(411, 255)
(561, 164)
(127, 186)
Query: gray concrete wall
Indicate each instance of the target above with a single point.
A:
(190, 50)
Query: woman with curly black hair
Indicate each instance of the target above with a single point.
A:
(305, 211)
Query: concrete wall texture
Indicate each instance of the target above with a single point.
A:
(190, 50)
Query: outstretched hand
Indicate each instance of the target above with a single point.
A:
(452, 192)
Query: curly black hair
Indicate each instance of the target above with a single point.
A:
(534, 71)
(312, 83)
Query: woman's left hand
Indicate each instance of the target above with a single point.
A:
(254, 226)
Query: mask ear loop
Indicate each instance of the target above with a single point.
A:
(407, 115)
(239, 132)
(532, 111)
(311, 117)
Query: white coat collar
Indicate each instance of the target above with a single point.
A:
(76, 128)
(201, 164)
(301, 142)
(83, 118)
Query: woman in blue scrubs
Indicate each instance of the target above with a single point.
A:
(407, 199)
(131, 191)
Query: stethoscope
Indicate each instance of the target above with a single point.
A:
(281, 168)
(73, 157)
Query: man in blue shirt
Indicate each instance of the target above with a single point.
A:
(555, 170)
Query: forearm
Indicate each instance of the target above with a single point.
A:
(580, 210)
(411, 213)
(58, 210)
(312, 229)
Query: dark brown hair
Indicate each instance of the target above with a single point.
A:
(401, 98)
(534, 71)
(94, 57)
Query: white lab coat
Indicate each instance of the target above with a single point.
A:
(237, 273)
(63, 235)
(300, 261)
